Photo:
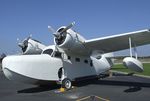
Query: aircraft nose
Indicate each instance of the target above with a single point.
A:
(6, 62)
(7, 66)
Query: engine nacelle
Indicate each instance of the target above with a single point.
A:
(69, 40)
(133, 64)
(31, 46)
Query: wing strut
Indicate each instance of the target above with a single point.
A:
(135, 50)
(130, 46)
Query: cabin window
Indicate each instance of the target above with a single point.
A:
(86, 61)
(69, 57)
(91, 63)
(48, 51)
(99, 57)
(57, 54)
(77, 59)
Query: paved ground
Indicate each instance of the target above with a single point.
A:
(115, 88)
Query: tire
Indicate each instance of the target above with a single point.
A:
(66, 83)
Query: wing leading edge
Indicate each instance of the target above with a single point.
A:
(118, 42)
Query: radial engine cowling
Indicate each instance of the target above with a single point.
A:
(31, 46)
(133, 64)
(69, 40)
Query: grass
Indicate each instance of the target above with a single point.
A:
(120, 67)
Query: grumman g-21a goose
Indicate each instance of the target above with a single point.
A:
(71, 58)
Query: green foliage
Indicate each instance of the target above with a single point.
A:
(120, 67)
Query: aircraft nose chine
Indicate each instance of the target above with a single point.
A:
(6, 62)
(6, 72)
(7, 66)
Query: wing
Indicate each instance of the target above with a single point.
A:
(118, 42)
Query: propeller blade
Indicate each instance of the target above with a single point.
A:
(30, 35)
(25, 42)
(68, 27)
(51, 29)
(20, 44)
(58, 34)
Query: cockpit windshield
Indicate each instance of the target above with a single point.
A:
(48, 51)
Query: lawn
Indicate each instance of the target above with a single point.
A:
(120, 67)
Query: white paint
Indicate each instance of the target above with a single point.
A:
(45, 67)
(133, 64)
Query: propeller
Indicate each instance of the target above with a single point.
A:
(24, 43)
(58, 34)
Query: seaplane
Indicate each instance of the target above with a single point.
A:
(72, 57)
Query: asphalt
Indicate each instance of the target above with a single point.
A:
(119, 87)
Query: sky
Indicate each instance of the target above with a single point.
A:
(94, 18)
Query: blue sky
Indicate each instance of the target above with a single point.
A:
(94, 18)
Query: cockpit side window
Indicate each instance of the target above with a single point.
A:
(57, 54)
(48, 51)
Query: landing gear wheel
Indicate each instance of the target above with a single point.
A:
(66, 83)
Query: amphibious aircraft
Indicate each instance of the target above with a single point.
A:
(72, 57)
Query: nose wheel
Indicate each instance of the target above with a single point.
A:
(66, 83)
